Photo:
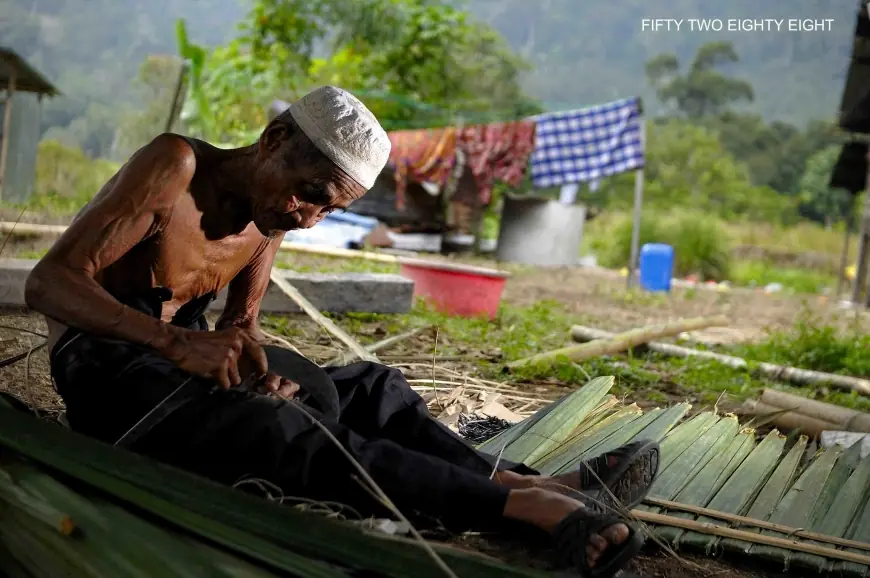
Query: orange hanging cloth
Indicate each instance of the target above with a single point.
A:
(422, 156)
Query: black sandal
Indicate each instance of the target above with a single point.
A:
(572, 535)
(629, 481)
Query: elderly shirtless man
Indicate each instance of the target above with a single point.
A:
(124, 292)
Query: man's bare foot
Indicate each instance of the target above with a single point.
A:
(546, 510)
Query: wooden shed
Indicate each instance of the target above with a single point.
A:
(855, 119)
(22, 88)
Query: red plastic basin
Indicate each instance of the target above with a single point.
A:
(459, 290)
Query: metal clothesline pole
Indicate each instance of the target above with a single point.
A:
(638, 204)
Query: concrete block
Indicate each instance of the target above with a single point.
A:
(341, 293)
(329, 292)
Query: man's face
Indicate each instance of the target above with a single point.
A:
(295, 193)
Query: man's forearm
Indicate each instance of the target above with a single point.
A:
(78, 301)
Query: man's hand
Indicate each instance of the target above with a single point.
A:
(223, 356)
(279, 386)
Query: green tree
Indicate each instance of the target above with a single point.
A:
(818, 201)
(687, 167)
(702, 91)
(414, 62)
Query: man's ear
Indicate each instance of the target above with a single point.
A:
(293, 204)
(274, 136)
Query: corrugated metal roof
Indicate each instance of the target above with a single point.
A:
(28, 79)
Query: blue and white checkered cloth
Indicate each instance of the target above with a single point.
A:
(577, 146)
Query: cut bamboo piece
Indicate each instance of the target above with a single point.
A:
(621, 342)
(347, 357)
(788, 420)
(312, 311)
(31, 229)
(745, 522)
(761, 539)
(338, 252)
(769, 370)
(844, 418)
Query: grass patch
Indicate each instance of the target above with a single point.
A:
(518, 332)
(758, 273)
(701, 244)
(814, 345)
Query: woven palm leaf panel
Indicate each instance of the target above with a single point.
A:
(716, 478)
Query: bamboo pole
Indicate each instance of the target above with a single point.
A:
(312, 311)
(723, 532)
(846, 419)
(346, 358)
(24, 229)
(789, 420)
(769, 370)
(622, 342)
(762, 524)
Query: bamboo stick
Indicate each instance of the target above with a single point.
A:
(338, 252)
(788, 420)
(347, 357)
(769, 370)
(846, 419)
(723, 532)
(764, 525)
(23, 229)
(312, 311)
(622, 342)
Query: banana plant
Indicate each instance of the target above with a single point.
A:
(197, 109)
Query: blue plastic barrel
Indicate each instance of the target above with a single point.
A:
(656, 264)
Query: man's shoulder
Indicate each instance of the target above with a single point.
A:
(169, 152)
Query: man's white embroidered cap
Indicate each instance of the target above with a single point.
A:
(343, 129)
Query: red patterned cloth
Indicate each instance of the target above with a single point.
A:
(422, 156)
(498, 151)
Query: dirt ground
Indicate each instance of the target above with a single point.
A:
(601, 296)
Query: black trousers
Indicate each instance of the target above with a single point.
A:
(108, 385)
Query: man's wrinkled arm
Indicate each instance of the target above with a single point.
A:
(246, 291)
(132, 207)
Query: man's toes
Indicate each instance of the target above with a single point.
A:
(615, 534)
(594, 548)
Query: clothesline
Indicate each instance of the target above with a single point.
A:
(567, 147)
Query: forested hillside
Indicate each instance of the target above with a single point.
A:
(595, 51)
(581, 52)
